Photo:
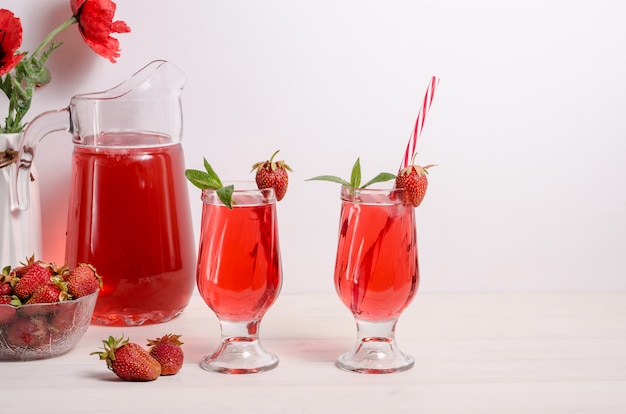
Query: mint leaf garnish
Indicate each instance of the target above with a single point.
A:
(380, 178)
(209, 179)
(225, 194)
(355, 177)
(332, 178)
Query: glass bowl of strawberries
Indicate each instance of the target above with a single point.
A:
(44, 309)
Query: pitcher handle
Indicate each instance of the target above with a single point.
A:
(35, 130)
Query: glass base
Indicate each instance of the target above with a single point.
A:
(239, 355)
(376, 351)
(375, 356)
(134, 319)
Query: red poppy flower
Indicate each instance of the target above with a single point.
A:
(95, 21)
(10, 41)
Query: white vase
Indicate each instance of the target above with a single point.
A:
(20, 230)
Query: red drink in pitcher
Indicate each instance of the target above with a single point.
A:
(239, 268)
(129, 216)
(376, 270)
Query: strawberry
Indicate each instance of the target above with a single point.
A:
(83, 280)
(6, 289)
(168, 352)
(63, 318)
(19, 271)
(49, 293)
(272, 174)
(7, 308)
(7, 280)
(31, 332)
(413, 179)
(36, 274)
(128, 360)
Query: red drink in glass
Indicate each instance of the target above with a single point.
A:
(239, 274)
(239, 262)
(376, 271)
(376, 274)
(129, 216)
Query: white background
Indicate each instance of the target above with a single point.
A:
(527, 126)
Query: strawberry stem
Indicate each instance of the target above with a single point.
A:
(273, 155)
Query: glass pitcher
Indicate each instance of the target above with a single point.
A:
(128, 214)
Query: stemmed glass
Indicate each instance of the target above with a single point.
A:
(376, 274)
(239, 274)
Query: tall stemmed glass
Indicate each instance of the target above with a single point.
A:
(239, 275)
(376, 274)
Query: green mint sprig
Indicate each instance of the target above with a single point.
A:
(355, 177)
(210, 180)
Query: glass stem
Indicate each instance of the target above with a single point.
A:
(368, 331)
(240, 330)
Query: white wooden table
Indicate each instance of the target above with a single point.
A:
(526, 353)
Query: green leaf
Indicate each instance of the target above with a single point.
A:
(380, 178)
(331, 178)
(209, 179)
(355, 177)
(202, 180)
(21, 93)
(225, 194)
(212, 174)
(5, 85)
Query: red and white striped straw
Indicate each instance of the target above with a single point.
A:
(419, 123)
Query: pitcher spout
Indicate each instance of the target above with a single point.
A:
(155, 80)
(148, 102)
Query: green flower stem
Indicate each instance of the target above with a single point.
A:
(28, 73)
(55, 32)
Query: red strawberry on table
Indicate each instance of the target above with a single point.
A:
(83, 280)
(128, 360)
(413, 179)
(272, 174)
(168, 352)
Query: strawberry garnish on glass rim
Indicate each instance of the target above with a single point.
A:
(272, 174)
(413, 179)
